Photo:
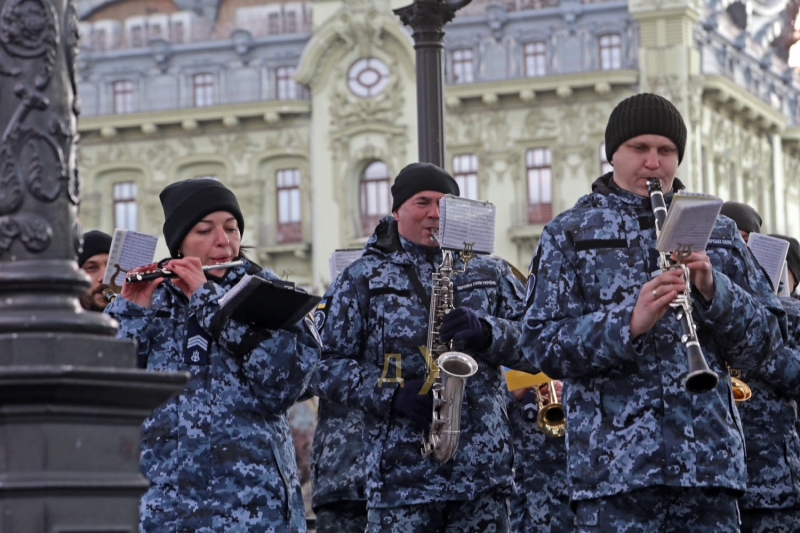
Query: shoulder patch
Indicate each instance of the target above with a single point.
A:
(531, 285)
(310, 324)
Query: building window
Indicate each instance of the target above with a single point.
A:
(178, 34)
(540, 188)
(274, 23)
(463, 66)
(137, 37)
(99, 39)
(203, 85)
(287, 186)
(286, 88)
(123, 96)
(290, 22)
(367, 77)
(610, 52)
(535, 59)
(465, 171)
(605, 166)
(125, 208)
(375, 196)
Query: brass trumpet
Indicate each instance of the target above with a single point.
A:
(551, 420)
(741, 392)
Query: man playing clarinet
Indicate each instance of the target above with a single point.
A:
(644, 453)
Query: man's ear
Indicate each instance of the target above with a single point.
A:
(396, 216)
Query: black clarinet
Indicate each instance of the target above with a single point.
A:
(700, 378)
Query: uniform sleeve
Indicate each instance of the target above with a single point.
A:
(506, 325)
(561, 335)
(783, 370)
(134, 321)
(277, 364)
(745, 317)
(344, 375)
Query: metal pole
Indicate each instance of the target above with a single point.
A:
(71, 401)
(427, 19)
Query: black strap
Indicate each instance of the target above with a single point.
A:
(418, 288)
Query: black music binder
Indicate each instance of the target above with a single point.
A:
(269, 304)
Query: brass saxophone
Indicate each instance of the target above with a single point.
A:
(447, 370)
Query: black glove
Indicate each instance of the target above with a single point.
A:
(408, 402)
(462, 324)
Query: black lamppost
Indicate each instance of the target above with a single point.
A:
(427, 19)
(71, 400)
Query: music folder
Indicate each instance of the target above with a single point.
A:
(269, 304)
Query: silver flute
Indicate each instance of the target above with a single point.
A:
(133, 277)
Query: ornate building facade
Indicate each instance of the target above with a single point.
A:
(308, 109)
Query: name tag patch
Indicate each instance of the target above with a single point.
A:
(720, 243)
(480, 284)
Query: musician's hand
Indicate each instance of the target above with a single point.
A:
(700, 272)
(141, 292)
(408, 402)
(654, 299)
(462, 324)
(189, 274)
(544, 390)
(519, 393)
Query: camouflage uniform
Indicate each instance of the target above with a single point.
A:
(772, 501)
(631, 423)
(337, 468)
(541, 502)
(374, 333)
(219, 455)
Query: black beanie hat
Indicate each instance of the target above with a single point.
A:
(792, 257)
(418, 177)
(186, 202)
(645, 114)
(94, 242)
(746, 218)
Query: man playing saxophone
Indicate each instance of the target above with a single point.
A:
(374, 336)
(644, 453)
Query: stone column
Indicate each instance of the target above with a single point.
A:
(71, 401)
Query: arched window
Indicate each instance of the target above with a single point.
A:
(123, 96)
(375, 196)
(465, 172)
(287, 193)
(610, 51)
(126, 211)
(540, 191)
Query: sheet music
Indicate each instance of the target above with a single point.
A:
(770, 252)
(340, 259)
(690, 221)
(464, 221)
(129, 249)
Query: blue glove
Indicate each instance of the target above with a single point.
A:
(462, 324)
(408, 402)
(530, 406)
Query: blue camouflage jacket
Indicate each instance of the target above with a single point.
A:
(219, 455)
(337, 464)
(541, 501)
(372, 334)
(769, 421)
(631, 423)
